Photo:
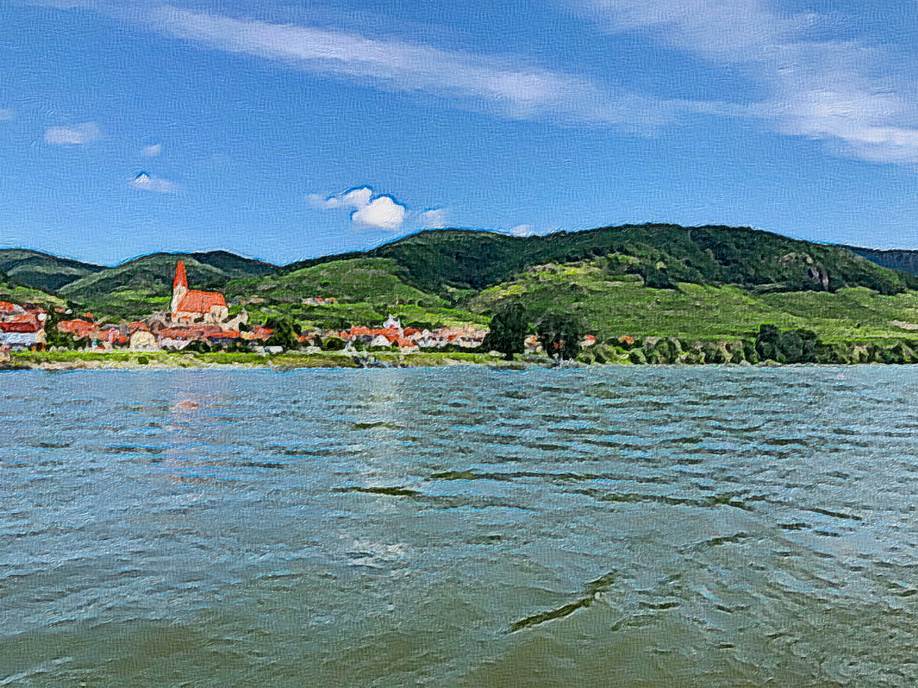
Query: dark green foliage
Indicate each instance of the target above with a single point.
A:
(53, 336)
(334, 344)
(286, 332)
(789, 346)
(508, 330)
(655, 278)
(437, 261)
(199, 346)
(560, 334)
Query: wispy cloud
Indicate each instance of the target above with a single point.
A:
(506, 86)
(434, 218)
(153, 150)
(75, 135)
(6, 114)
(144, 182)
(838, 91)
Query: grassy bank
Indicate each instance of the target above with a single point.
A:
(73, 360)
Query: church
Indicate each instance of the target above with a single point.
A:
(192, 306)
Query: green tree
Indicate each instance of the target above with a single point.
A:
(285, 332)
(560, 334)
(53, 336)
(508, 329)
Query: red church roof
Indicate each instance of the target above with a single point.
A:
(196, 301)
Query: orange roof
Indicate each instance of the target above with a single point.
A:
(181, 279)
(201, 301)
(7, 307)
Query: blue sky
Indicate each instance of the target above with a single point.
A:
(284, 130)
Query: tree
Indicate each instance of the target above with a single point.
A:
(285, 333)
(560, 334)
(53, 336)
(508, 329)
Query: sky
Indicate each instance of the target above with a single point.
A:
(284, 129)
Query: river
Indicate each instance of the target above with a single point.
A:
(647, 526)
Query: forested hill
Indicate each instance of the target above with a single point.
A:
(903, 260)
(42, 271)
(441, 260)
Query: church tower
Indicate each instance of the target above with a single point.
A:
(179, 286)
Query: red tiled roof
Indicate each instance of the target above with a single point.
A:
(196, 301)
(21, 323)
(78, 328)
(7, 307)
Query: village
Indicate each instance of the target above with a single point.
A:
(200, 320)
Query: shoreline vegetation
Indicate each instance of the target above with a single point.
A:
(771, 347)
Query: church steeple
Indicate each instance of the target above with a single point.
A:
(181, 279)
(179, 286)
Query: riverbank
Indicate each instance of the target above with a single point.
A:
(653, 352)
(86, 360)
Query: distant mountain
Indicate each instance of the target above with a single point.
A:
(441, 261)
(137, 287)
(42, 270)
(903, 260)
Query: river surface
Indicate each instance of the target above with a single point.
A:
(460, 527)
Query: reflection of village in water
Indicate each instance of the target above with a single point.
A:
(198, 317)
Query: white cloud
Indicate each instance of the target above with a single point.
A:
(153, 150)
(76, 135)
(522, 231)
(380, 213)
(6, 114)
(511, 88)
(435, 218)
(368, 209)
(144, 182)
(838, 91)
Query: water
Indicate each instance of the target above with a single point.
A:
(460, 527)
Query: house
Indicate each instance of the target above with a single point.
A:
(23, 330)
(406, 346)
(143, 340)
(190, 306)
(8, 309)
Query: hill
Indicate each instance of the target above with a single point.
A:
(41, 270)
(443, 261)
(902, 260)
(615, 304)
(143, 285)
(365, 290)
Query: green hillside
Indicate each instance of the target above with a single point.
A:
(442, 260)
(366, 290)
(615, 304)
(642, 280)
(143, 285)
(42, 271)
(26, 295)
